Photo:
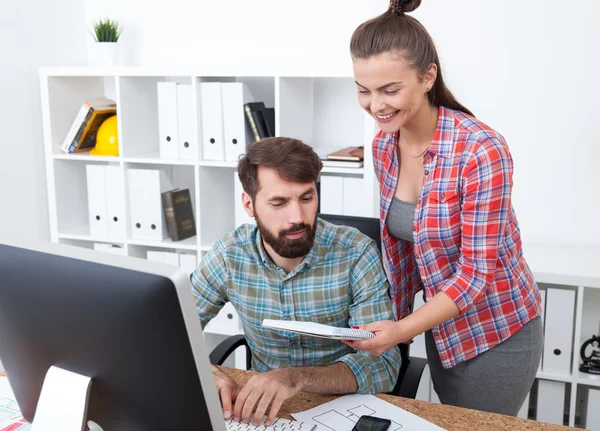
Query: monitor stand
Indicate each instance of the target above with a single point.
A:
(63, 401)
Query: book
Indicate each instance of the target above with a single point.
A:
(255, 119)
(342, 164)
(82, 133)
(317, 329)
(349, 153)
(269, 117)
(179, 214)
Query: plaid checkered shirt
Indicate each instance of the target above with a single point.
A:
(339, 283)
(466, 237)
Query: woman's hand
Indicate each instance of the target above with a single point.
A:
(387, 335)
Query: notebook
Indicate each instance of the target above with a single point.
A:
(317, 330)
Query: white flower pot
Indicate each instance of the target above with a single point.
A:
(105, 54)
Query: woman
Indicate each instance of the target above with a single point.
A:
(447, 223)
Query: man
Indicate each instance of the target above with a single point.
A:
(293, 266)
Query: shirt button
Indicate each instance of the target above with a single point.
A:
(435, 332)
(288, 318)
(426, 172)
(418, 201)
(443, 195)
(414, 228)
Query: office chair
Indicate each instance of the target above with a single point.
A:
(411, 369)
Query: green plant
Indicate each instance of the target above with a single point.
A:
(106, 30)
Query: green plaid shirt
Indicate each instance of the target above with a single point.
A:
(340, 283)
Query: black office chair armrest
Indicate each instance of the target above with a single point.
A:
(410, 374)
(227, 347)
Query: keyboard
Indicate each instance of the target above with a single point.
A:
(277, 425)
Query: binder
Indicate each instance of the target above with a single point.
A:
(226, 322)
(171, 258)
(332, 195)
(110, 248)
(212, 121)
(241, 216)
(96, 194)
(115, 202)
(147, 216)
(558, 330)
(524, 410)
(353, 197)
(188, 142)
(236, 134)
(155, 256)
(542, 306)
(188, 262)
(168, 140)
(550, 401)
(592, 416)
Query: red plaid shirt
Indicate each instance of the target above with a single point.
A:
(466, 237)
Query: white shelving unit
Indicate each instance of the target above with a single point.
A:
(320, 110)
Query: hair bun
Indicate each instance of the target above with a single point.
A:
(399, 7)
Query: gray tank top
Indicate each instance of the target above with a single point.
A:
(399, 219)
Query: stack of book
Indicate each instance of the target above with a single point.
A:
(349, 157)
(82, 133)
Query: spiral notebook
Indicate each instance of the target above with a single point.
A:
(318, 330)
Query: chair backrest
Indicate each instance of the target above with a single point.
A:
(370, 227)
(367, 225)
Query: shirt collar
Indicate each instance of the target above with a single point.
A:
(442, 143)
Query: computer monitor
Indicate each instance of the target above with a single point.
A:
(127, 323)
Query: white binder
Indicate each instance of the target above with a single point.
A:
(188, 262)
(147, 215)
(115, 202)
(354, 197)
(592, 417)
(332, 195)
(171, 258)
(212, 121)
(188, 142)
(241, 216)
(524, 410)
(96, 193)
(167, 120)
(234, 96)
(550, 402)
(543, 307)
(558, 330)
(226, 322)
(110, 248)
(155, 256)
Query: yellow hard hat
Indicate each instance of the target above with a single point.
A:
(107, 139)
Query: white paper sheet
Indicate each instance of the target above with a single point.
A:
(342, 414)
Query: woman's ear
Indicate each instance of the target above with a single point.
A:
(429, 77)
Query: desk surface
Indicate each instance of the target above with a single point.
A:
(447, 417)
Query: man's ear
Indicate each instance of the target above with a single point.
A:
(247, 203)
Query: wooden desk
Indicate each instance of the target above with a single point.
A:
(447, 417)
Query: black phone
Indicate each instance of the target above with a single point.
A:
(371, 423)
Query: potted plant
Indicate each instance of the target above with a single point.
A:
(106, 35)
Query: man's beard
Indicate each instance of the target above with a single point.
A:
(286, 247)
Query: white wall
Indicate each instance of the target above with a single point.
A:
(527, 68)
(33, 33)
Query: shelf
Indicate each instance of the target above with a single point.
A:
(217, 164)
(206, 247)
(588, 379)
(567, 378)
(351, 171)
(82, 233)
(186, 244)
(85, 158)
(155, 159)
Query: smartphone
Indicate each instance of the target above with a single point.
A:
(371, 423)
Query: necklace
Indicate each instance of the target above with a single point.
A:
(416, 157)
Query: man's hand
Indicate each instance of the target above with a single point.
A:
(228, 391)
(270, 388)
